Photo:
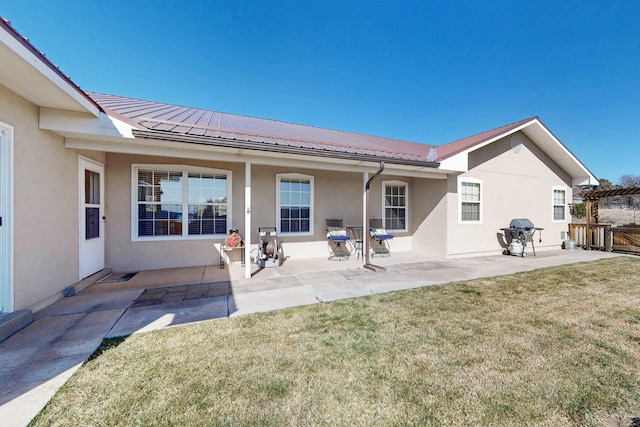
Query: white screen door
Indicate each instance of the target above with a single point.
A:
(91, 179)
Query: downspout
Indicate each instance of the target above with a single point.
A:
(365, 227)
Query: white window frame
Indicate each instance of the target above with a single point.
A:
(279, 178)
(386, 184)
(185, 170)
(553, 203)
(460, 201)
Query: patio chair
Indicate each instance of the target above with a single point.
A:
(337, 239)
(380, 237)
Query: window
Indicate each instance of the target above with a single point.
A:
(394, 204)
(470, 196)
(295, 209)
(559, 204)
(172, 203)
(92, 204)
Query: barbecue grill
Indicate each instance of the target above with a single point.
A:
(519, 233)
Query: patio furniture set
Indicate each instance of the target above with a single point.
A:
(346, 241)
(342, 241)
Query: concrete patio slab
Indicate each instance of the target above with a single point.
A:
(275, 299)
(272, 283)
(86, 303)
(153, 278)
(315, 277)
(150, 318)
(39, 359)
(338, 290)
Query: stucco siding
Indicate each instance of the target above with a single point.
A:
(46, 231)
(336, 195)
(429, 212)
(514, 185)
(122, 253)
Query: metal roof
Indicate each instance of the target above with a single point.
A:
(28, 72)
(168, 121)
(460, 145)
(174, 123)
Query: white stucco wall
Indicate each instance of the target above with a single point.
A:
(336, 195)
(429, 207)
(45, 206)
(514, 185)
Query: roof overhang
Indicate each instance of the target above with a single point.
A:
(282, 149)
(111, 135)
(537, 132)
(229, 153)
(31, 75)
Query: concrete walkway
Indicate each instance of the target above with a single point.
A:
(36, 361)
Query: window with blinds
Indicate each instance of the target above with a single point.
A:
(470, 195)
(295, 203)
(395, 205)
(181, 203)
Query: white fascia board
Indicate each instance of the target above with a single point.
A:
(584, 180)
(188, 151)
(29, 76)
(557, 151)
(541, 136)
(460, 162)
(74, 124)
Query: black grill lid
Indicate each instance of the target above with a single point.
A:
(522, 223)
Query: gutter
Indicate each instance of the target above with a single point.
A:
(365, 228)
(276, 148)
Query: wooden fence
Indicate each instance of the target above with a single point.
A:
(605, 237)
(626, 239)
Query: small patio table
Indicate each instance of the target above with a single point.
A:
(356, 237)
(225, 248)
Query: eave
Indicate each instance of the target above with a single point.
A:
(28, 72)
(537, 132)
(277, 148)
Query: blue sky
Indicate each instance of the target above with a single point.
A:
(423, 71)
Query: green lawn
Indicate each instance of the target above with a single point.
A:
(556, 346)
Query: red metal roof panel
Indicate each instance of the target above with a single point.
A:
(172, 118)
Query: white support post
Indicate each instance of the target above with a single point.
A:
(247, 220)
(365, 207)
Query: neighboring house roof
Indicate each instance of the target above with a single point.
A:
(173, 122)
(29, 73)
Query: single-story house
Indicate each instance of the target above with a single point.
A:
(91, 181)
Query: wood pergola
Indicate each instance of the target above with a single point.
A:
(592, 199)
(625, 239)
